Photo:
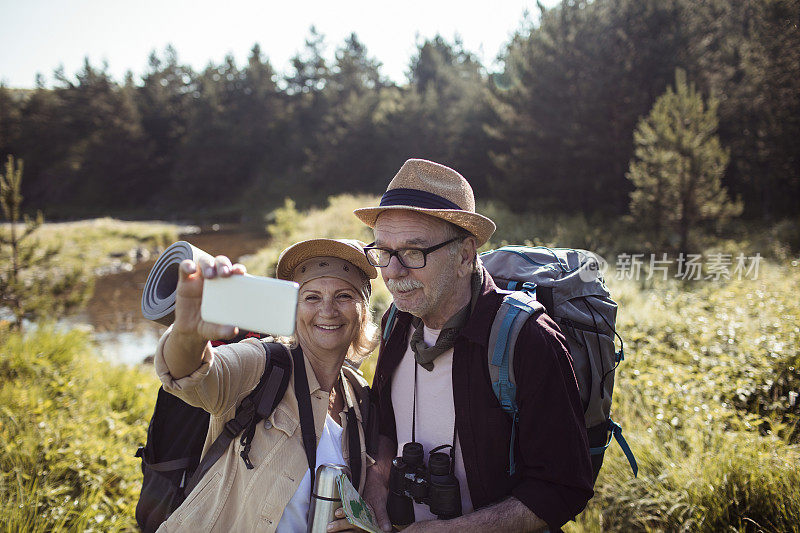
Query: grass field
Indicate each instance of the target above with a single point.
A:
(707, 397)
(99, 244)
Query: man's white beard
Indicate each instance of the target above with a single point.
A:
(436, 290)
(403, 285)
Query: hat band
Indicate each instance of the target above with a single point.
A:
(333, 267)
(416, 198)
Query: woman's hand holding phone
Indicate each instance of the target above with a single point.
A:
(188, 302)
(184, 346)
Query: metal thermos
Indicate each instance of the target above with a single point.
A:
(326, 498)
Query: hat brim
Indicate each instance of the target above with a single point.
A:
(480, 226)
(304, 250)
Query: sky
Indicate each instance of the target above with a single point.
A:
(36, 36)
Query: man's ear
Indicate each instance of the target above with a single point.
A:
(466, 256)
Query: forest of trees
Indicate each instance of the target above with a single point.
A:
(552, 130)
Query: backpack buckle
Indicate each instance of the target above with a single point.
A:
(246, 457)
(506, 392)
(233, 427)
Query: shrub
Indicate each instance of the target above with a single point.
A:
(287, 226)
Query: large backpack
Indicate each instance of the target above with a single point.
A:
(171, 464)
(568, 286)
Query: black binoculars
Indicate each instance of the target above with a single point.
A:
(410, 481)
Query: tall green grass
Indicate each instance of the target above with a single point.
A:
(705, 397)
(70, 424)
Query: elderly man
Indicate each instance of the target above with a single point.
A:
(432, 380)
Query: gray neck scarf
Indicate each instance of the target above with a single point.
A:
(425, 354)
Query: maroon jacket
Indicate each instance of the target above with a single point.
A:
(554, 472)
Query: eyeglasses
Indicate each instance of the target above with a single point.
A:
(408, 257)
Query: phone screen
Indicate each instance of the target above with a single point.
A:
(254, 303)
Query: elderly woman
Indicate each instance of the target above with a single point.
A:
(333, 323)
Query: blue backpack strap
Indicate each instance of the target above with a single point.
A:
(515, 310)
(616, 434)
(392, 318)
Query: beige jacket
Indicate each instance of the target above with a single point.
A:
(230, 497)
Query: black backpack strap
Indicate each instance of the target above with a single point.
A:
(265, 397)
(363, 398)
(354, 446)
(353, 437)
(369, 416)
(167, 466)
(306, 412)
(254, 408)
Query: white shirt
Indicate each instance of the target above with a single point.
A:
(435, 413)
(329, 450)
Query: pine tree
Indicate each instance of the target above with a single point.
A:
(31, 283)
(573, 87)
(679, 163)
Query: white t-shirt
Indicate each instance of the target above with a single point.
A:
(435, 413)
(329, 450)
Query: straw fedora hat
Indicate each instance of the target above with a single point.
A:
(350, 250)
(435, 190)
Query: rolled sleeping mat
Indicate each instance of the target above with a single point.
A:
(158, 296)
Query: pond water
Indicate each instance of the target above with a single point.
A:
(114, 312)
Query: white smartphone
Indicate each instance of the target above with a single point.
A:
(253, 303)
